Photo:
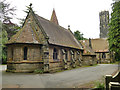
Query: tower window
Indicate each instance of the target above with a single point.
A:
(25, 53)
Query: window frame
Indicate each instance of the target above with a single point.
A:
(103, 55)
(12, 53)
(55, 54)
(66, 54)
(25, 52)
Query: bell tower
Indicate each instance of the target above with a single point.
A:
(104, 20)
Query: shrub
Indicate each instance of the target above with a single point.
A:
(100, 85)
(38, 71)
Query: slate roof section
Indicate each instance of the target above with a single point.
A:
(58, 35)
(25, 35)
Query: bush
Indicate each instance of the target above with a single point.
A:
(4, 56)
(38, 71)
(100, 85)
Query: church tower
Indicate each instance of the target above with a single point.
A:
(104, 20)
(54, 18)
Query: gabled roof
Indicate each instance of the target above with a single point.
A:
(54, 18)
(99, 44)
(57, 35)
(25, 35)
(87, 49)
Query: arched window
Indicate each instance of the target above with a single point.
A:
(55, 54)
(25, 53)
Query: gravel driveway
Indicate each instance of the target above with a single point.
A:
(66, 79)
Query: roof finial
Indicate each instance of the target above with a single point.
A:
(68, 27)
(30, 4)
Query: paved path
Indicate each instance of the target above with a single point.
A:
(64, 79)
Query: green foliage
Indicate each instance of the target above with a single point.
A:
(11, 29)
(6, 16)
(38, 71)
(6, 29)
(114, 30)
(7, 11)
(79, 35)
(22, 20)
(3, 40)
(100, 85)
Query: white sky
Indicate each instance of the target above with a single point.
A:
(82, 15)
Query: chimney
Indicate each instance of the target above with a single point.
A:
(90, 44)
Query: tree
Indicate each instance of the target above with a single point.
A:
(114, 30)
(22, 20)
(4, 39)
(6, 14)
(79, 35)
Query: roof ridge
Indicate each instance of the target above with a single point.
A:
(60, 27)
(52, 22)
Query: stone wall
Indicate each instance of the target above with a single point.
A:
(33, 52)
(15, 58)
(16, 62)
(24, 67)
(59, 63)
(100, 58)
(89, 60)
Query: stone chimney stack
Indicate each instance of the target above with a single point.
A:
(90, 44)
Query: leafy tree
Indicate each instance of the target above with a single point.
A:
(114, 30)
(4, 39)
(26, 11)
(6, 14)
(79, 35)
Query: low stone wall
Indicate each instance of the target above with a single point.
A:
(53, 66)
(23, 67)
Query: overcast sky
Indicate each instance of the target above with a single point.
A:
(82, 15)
